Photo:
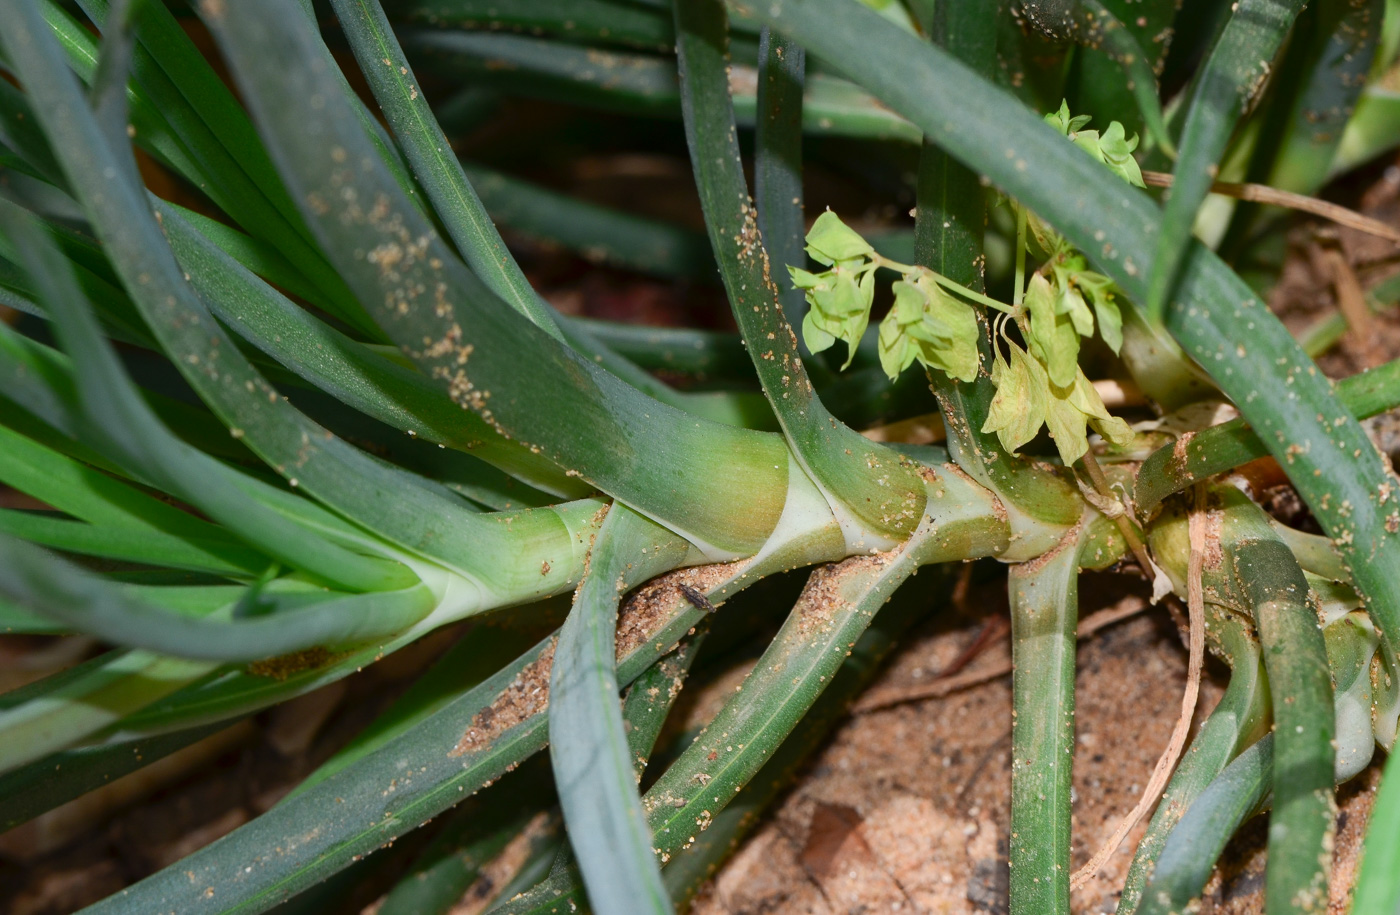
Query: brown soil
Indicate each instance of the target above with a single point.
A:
(907, 808)
(526, 696)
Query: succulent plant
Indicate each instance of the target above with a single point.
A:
(284, 434)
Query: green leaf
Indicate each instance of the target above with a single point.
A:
(1085, 398)
(778, 157)
(1226, 84)
(1196, 843)
(138, 521)
(433, 162)
(831, 240)
(1114, 88)
(57, 779)
(462, 667)
(1235, 722)
(58, 589)
(598, 233)
(1117, 152)
(1099, 290)
(416, 513)
(814, 335)
(1333, 68)
(640, 24)
(1300, 683)
(128, 544)
(636, 84)
(1051, 336)
(1378, 885)
(1066, 124)
(477, 831)
(1071, 302)
(1019, 408)
(1067, 425)
(949, 228)
(593, 765)
(347, 369)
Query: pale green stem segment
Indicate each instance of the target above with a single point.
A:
(834, 610)
(115, 685)
(593, 764)
(875, 493)
(1044, 613)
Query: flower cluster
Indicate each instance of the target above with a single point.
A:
(932, 321)
(927, 322)
(1063, 302)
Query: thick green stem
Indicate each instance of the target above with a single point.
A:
(1044, 613)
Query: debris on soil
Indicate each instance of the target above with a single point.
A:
(928, 784)
(643, 610)
(526, 696)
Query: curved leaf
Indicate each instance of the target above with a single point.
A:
(636, 447)
(1197, 841)
(593, 764)
(876, 494)
(1226, 85)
